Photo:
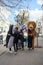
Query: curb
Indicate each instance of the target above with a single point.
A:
(2, 53)
(38, 47)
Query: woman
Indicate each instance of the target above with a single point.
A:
(8, 35)
(10, 43)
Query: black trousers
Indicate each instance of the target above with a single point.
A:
(29, 42)
(22, 44)
(15, 47)
(29, 45)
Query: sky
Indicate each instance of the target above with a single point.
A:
(34, 7)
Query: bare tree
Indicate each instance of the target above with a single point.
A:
(22, 17)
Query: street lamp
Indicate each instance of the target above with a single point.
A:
(42, 14)
(38, 32)
(39, 24)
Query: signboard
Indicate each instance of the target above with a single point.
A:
(39, 27)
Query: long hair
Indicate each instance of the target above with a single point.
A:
(10, 29)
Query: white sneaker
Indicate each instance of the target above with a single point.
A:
(11, 51)
(15, 53)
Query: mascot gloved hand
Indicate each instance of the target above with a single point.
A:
(31, 33)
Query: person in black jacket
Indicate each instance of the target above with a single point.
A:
(8, 36)
(16, 38)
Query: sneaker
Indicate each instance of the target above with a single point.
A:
(11, 51)
(15, 53)
(32, 48)
(4, 44)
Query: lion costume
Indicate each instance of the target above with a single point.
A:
(31, 34)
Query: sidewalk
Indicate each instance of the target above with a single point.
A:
(2, 49)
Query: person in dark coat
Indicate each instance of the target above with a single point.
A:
(9, 35)
(16, 37)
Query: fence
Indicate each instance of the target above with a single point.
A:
(39, 41)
